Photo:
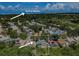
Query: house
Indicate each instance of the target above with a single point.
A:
(36, 34)
(21, 42)
(57, 31)
(14, 27)
(55, 37)
(2, 38)
(41, 44)
(52, 43)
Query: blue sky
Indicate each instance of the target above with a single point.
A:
(38, 7)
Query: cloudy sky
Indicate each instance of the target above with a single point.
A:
(38, 7)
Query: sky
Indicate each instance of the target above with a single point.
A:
(38, 7)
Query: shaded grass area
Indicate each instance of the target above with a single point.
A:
(29, 51)
(15, 51)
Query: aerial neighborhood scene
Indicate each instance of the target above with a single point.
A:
(39, 29)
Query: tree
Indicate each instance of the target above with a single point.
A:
(12, 33)
(23, 36)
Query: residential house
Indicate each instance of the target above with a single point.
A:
(41, 44)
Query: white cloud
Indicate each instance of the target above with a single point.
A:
(58, 6)
(48, 6)
(74, 5)
(11, 7)
(54, 6)
(36, 6)
(18, 5)
(2, 7)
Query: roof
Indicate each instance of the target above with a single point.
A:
(55, 31)
(41, 42)
(60, 41)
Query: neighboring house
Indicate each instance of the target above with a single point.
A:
(14, 27)
(36, 34)
(41, 43)
(25, 28)
(52, 44)
(30, 34)
(57, 31)
(56, 36)
(2, 38)
(23, 42)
